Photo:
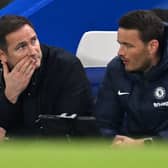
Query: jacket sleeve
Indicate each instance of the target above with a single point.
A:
(108, 112)
(7, 110)
(163, 131)
(76, 93)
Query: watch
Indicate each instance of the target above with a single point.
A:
(148, 141)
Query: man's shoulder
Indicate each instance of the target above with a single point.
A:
(58, 58)
(115, 64)
(56, 53)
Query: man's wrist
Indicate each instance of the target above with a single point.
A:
(148, 141)
(12, 99)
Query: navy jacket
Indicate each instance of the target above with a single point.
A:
(134, 104)
(58, 86)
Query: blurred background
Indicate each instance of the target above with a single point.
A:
(62, 22)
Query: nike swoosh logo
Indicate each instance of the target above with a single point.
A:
(123, 93)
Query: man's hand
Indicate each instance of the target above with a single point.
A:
(18, 79)
(2, 133)
(126, 141)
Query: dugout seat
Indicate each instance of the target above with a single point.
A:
(95, 50)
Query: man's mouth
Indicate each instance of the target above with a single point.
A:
(125, 61)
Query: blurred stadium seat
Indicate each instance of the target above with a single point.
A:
(95, 50)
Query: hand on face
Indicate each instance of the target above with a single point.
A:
(18, 78)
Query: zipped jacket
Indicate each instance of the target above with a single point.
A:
(134, 103)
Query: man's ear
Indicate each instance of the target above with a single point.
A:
(3, 57)
(153, 46)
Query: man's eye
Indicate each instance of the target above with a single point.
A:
(20, 47)
(129, 45)
(33, 40)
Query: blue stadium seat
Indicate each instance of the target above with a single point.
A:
(95, 50)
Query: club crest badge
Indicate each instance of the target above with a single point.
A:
(160, 93)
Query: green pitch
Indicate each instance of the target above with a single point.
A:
(57, 153)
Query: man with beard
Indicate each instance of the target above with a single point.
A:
(132, 105)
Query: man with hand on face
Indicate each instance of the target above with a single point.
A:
(36, 79)
(132, 105)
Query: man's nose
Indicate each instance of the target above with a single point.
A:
(122, 50)
(31, 50)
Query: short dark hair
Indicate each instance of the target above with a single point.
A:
(162, 13)
(147, 23)
(9, 24)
